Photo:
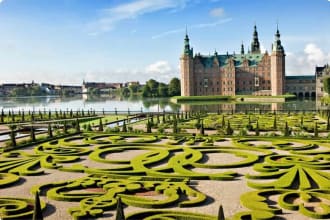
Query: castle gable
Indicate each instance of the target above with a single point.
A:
(224, 60)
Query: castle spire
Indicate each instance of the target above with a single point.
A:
(277, 45)
(242, 48)
(187, 50)
(255, 45)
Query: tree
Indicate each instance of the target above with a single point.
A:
(257, 129)
(316, 131)
(202, 131)
(174, 87)
(162, 90)
(146, 91)
(37, 211)
(100, 125)
(12, 136)
(120, 210)
(124, 126)
(125, 92)
(134, 88)
(65, 127)
(326, 85)
(148, 126)
(50, 132)
(229, 130)
(286, 129)
(2, 116)
(77, 126)
(175, 126)
(32, 134)
(221, 215)
(153, 85)
(275, 122)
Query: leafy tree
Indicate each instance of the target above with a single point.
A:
(146, 91)
(162, 90)
(326, 85)
(153, 85)
(134, 88)
(174, 87)
(125, 92)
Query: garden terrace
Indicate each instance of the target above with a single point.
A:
(175, 174)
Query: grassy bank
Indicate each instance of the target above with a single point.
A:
(216, 98)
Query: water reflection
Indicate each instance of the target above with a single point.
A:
(137, 104)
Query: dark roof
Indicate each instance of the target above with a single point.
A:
(311, 77)
(253, 59)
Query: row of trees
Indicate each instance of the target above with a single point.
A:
(158, 89)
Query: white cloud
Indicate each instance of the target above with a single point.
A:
(217, 12)
(195, 26)
(305, 62)
(161, 71)
(1, 1)
(111, 16)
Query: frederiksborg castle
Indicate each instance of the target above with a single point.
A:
(245, 73)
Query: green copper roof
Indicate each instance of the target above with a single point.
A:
(253, 59)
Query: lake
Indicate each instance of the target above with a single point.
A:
(136, 104)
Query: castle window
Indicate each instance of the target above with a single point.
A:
(206, 81)
(217, 89)
(217, 82)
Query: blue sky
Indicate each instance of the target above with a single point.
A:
(68, 41)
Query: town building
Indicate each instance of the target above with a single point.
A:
(321, 72)
(251, 73)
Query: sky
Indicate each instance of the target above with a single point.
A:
(68, 41)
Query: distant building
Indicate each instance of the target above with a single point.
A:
(101, 86)
(301, 86)
(321, 73)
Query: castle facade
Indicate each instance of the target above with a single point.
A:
(253, 72)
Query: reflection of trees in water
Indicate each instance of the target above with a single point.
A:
(161, 102)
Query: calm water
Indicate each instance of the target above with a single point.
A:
(112, 103)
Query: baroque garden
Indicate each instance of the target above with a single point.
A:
(189, 165)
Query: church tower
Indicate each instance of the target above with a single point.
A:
(186, 68)
(255, 45)
(277, 66)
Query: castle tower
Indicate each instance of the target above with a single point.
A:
(255, 45)
(277, 66)
(242, 49)
(186, 68)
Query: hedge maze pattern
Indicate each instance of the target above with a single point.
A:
(289, 174)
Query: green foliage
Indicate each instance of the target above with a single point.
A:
(326, 84)
(174, 87)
